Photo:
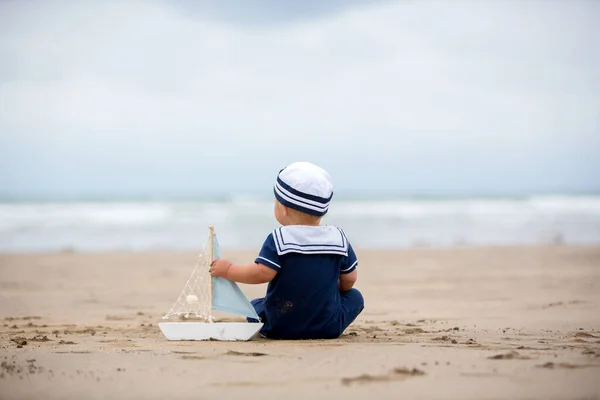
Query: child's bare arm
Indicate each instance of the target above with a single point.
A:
(252, 273)
(347, 281)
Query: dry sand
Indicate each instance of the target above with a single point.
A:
(498, 323)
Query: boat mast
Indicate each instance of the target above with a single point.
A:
(212, 258)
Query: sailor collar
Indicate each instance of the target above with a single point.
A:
(326, 239)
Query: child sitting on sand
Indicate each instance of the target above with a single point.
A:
(311, 268)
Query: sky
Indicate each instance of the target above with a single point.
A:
(183, 98)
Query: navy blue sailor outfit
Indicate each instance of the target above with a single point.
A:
(303, 301)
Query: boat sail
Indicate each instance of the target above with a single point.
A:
(201, 295)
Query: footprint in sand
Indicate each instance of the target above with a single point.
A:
(238, 353)
(513, 355)
(396, 374)
(188, 357)
(551, 365)
(414, 331)
(584, 335)
(562, 303)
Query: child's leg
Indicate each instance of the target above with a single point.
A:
(352, 305)
(259, 308)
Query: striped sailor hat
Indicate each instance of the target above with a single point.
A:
(304, 187)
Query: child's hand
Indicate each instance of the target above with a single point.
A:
(220, 267)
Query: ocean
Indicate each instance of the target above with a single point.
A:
(243, 222)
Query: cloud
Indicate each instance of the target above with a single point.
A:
(405, 85)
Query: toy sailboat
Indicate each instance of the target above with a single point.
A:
(200, 296)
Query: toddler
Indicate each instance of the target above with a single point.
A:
(311, 268)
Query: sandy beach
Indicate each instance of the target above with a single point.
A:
(480, 323)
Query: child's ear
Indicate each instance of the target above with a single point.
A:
(285, 211)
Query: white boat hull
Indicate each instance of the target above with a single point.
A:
(227, 331)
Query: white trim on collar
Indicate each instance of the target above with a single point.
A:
(326, 239)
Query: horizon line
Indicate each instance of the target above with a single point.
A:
(344, 196)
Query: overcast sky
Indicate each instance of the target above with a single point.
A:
(182, 98)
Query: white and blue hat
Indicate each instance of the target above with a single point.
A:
(304, 187)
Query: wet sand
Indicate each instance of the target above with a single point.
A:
(482, 323)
